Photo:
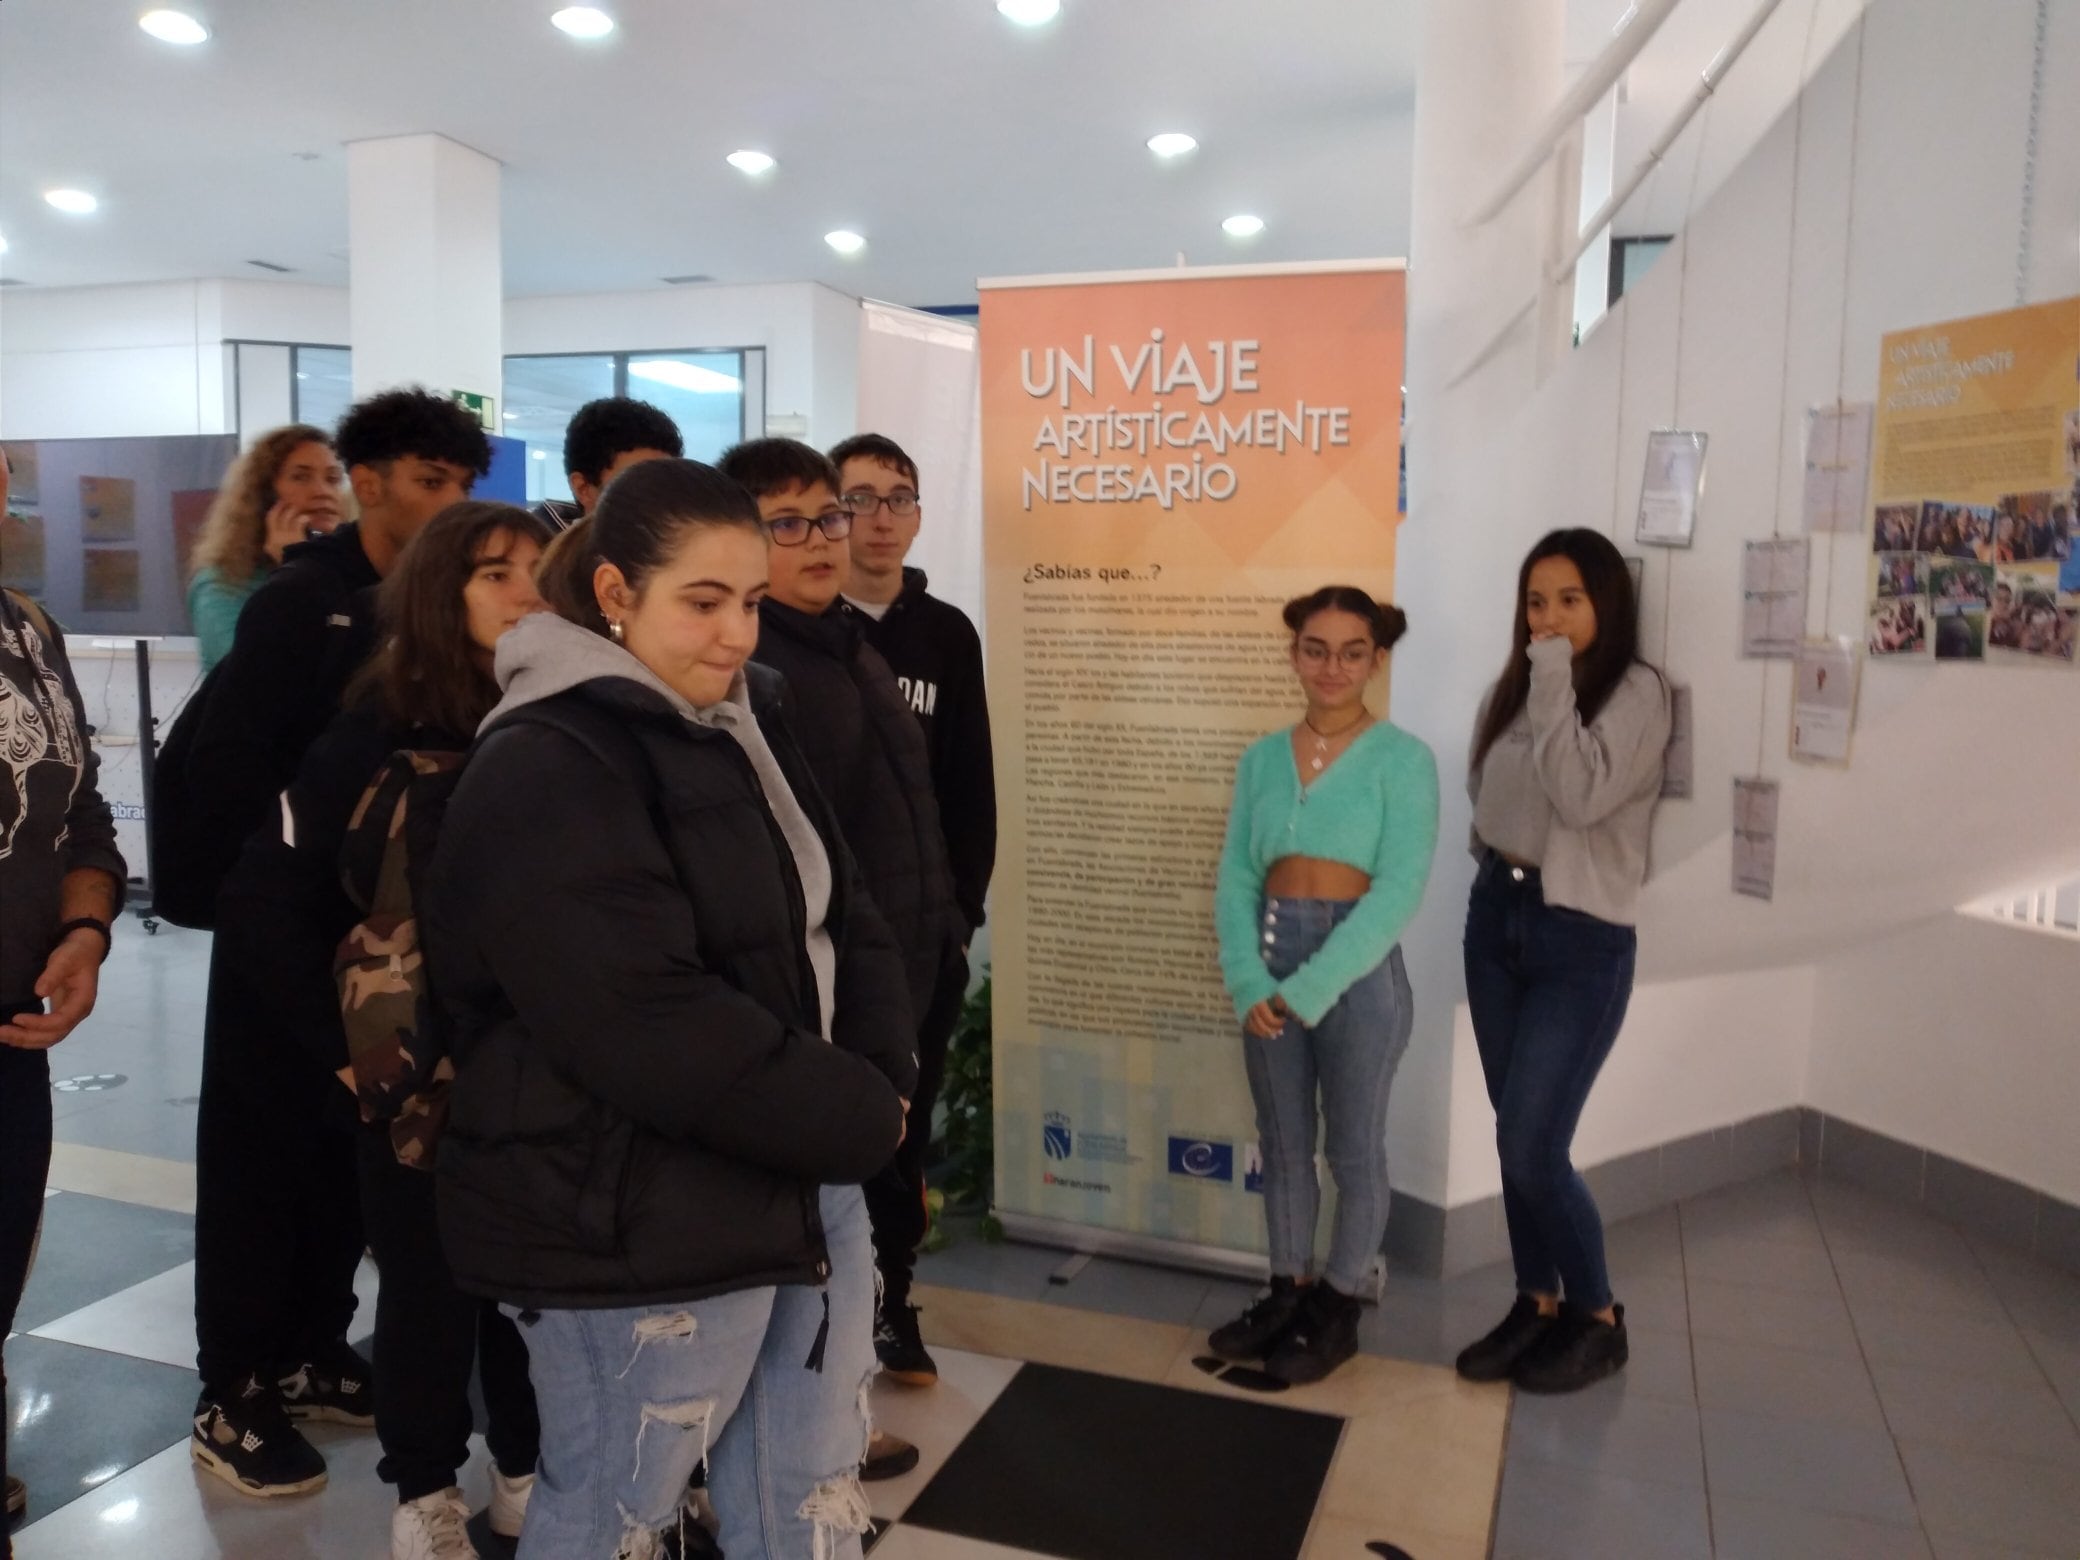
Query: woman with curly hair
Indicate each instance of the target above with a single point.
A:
(287, 485)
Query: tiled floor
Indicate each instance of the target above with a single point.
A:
(1816, 1374)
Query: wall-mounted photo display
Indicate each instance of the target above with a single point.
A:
(107, 509)
(1976, 491)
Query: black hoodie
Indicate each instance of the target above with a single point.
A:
(870, 762)
(300, 639)
(937, 659)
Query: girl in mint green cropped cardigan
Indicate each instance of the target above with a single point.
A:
(1329, 844)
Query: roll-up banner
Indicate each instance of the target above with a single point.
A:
(1168, 457)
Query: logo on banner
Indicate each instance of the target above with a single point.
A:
(1055, 1138)
(1202, 1160)
(1253, 1168)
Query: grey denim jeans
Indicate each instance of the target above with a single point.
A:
(1346, 1063)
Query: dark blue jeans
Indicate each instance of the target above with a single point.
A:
(1547, 988)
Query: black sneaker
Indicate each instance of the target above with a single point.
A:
(1251, 1335)
(337, 1387)
(901, 1347)
(888, 1457)
(1323, 1334)
(248, 1442)
(1494, 1356)
(1578, 1352)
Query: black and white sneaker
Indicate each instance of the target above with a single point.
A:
(337, 1387)
(901, 1346)
(248, 1442)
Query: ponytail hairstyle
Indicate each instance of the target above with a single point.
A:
(643, 517)
(565, 577)
(1385, 622)
(1597, 670)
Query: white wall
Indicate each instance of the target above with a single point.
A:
(123, 362)
(1774, 299)
(1956, 1034)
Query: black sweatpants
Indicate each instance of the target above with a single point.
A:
(25, 1159)
(895, 1197)
(428, 1334)
(277, 1204)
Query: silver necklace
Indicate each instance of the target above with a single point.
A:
(1323, 739)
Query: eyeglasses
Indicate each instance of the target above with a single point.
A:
(1351, 657)
(861, 504)
(793, 530)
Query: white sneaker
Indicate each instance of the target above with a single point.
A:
(509, 1502)
(433, 1527)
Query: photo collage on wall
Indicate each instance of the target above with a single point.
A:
(1972, 582)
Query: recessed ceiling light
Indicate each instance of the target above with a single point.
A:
(584, 21)
(541, 454)
(1172, 143)
(75, 202)
(1030, 13)
(1243, 225)
(750, 162)
(845, 241)
(174, 27)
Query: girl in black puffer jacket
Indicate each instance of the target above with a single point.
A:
(682, 1039)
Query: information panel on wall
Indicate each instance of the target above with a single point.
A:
(1168, 457)
(1976, 490)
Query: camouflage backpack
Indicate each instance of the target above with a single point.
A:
(400, 1065)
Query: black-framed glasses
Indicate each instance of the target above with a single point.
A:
(793, 530)
(862, 503)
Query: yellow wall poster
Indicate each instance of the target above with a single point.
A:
(1976, 490)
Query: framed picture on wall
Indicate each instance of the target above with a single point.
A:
(1671, 487)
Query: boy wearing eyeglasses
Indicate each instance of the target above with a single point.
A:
(937, 659)
(868, 754)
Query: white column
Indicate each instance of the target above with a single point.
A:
(1487, 70)
(425, 273)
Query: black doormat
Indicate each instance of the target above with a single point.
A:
(1091, 1467)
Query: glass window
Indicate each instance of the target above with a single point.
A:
(715, 398)
(541, 394)
(703, 392)
(324, 386)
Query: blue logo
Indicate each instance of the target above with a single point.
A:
(1054, 1135)
(1201, 1160)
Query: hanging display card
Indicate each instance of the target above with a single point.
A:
(1755, 838)
(1823, 710)
(1670, 490)
(1773, 597)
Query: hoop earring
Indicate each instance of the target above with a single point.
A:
(614, 632)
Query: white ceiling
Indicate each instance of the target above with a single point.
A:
(962, 146)
(959, 144)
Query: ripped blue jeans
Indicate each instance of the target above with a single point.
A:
(632, 1401)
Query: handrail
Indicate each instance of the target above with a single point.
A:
(1634, 33)
(1707, 83)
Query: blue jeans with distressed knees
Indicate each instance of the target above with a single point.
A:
(633, 1401)
(1349, 1058)
(1547, 988)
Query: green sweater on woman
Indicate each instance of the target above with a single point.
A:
(1374, 808)
(214, 604)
